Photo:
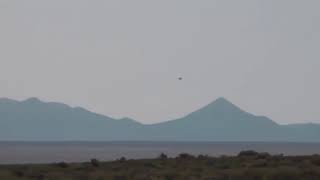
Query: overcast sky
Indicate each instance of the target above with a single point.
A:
(122, 58)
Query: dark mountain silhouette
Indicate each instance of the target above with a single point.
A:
(34, 120)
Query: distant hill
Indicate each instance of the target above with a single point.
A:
(223, 121)
(34, 120)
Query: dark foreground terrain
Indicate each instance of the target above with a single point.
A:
(248, 165)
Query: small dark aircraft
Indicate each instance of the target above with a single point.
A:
(180, 78)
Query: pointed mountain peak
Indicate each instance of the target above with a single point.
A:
(222, 100)
(222, 105)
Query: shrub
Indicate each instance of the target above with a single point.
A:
(63, 164)
(248, 153)
(263, 155)
(95, 163)
(163, 156)
(185, 156)
(203, 157)
(122, 159)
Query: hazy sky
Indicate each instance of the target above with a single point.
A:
(122, 58)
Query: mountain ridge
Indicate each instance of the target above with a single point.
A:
(220, 120)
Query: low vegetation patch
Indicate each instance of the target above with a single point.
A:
(247, 165)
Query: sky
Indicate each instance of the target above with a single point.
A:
(122, 58)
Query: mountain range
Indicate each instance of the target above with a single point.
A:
(35, 120)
